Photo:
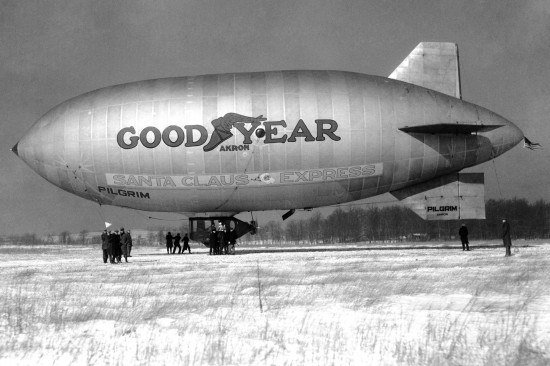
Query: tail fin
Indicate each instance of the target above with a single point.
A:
(450, 197)
(433, 65)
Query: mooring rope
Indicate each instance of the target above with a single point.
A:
(498, 180)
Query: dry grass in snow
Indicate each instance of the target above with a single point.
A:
(62, 305)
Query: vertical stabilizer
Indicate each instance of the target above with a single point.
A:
(433, 65)
(451, 197)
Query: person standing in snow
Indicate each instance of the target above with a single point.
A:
(169, 242)
(463, 233)
(186, 243)
(177, 240)
(506, 239)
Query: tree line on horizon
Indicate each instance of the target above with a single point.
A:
(396, 223)
(355, 224)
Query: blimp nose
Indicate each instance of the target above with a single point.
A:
(34, 149)
(504, 137)
(512, 134)
(25, 151)
(14, 149)
(508, 137)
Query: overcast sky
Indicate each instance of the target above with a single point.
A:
(51, 51)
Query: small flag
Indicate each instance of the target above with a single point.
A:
(107, 224)
(531, 145)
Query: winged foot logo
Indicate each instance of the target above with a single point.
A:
(197, 135)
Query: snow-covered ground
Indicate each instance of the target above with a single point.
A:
(366, 304)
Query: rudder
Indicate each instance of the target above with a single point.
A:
(432, 65)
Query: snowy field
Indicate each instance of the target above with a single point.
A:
(392, 304)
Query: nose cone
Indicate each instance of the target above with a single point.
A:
(503, 138)
(512, 135)
(27, 150)
(14, 149)
(53, 149)
(42, 146)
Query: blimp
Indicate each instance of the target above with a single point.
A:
(214, 146)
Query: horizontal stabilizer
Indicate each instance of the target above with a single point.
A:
(450, 128)
(433, 65)
(452, 197)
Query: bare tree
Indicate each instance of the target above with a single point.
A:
(314, 228)
(160, 236)
(64, 237)
(151, 237)
(293, 232)
(83, 236)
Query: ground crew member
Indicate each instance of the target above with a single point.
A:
(213, 240)
(112, 247)
(169, 239)
(105, 245)
(131, 244)
(186, 243)
(221, 238)
(226, 236)
(117, 248)
(232, 240)
(177, 240)
(506, 239)
(463, 232)
(125, 243)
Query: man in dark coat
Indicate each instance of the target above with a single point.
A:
(125, 242)
(105, 245)
(213, 240)
(117, 249)
(232, 240)
(506, 239)
(226, 238)
(463, 233)
(112, 247)
(131, 244)
(186, 243)
(221, 239)
(177, 240)
(169, 242)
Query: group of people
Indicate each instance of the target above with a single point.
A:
(506, 239)
(173, 242)
(115, 245)
(222, 240)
